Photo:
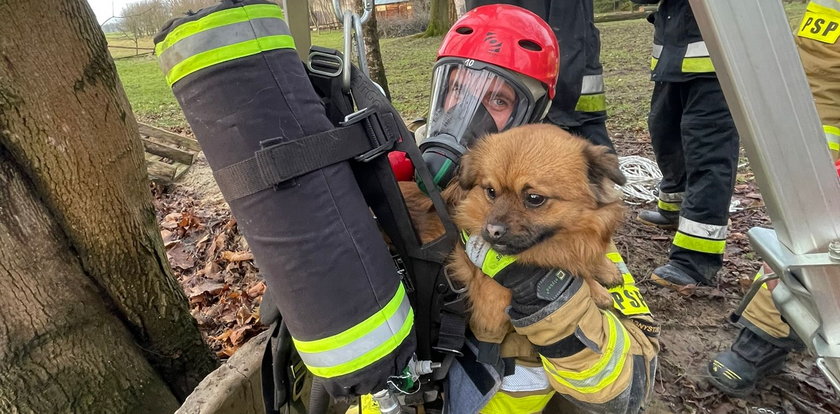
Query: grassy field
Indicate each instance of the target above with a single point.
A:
(625, 55)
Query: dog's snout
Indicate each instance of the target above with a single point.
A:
(494, 231)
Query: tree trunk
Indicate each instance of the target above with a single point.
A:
(373, 54)
(439, 21)
(66, 124)
(61, 347)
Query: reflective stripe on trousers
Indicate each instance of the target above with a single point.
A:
(700, 237)
(592, 97)
(669, 201)
(362, 344)
(222, 36)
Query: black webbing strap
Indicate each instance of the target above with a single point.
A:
(363, 136)
(453, 324)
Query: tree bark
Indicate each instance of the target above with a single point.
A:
(61, 348)
(439, 21)
(66, 124)
(373, 53)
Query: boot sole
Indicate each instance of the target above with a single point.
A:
(742, 393)
(684, 290)
(652, 224)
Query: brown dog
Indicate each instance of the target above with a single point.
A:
(540, 194)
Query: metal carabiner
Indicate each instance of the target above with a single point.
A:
(352, 25)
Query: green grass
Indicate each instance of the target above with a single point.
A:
(150, 96)
(625, 54)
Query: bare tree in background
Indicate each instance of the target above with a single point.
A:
(439, 18)
(373, 54)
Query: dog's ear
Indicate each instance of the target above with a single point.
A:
(603, 172)
(467, 173)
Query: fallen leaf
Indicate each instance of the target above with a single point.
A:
(256, 290)
(179, 257)
(210, 287)
(230, 256)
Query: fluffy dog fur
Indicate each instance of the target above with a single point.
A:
(540, 194)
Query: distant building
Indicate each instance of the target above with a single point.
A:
(393, 9)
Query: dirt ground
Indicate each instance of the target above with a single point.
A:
(212, 262)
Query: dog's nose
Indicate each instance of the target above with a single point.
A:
(495, 231)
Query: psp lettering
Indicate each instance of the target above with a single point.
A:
(818, 26)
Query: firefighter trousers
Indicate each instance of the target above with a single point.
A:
(763, 318)
(696, 146)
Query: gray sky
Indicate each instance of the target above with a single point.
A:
(102, 8)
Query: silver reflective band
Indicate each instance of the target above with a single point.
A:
(671, 197)
(831, 137)
(526, 379)
(477, 249)
(362, 345)
(592, 84)
(219, 37)
(706, 231)
(616, 357)
(696, 49)
(657, 51)
(831, 4)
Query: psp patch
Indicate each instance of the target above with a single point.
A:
(822, 27)
(627, 299)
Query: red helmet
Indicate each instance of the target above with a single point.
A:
(509, 37)
(496, 69)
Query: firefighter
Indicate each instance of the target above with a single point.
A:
(579, 105)
(696, 147)
(765, 340)
(490, 77)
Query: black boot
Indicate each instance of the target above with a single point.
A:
(748, 360)
(660, 218)
(672, 276)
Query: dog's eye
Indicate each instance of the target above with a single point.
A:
(534, 200)
(491, 193)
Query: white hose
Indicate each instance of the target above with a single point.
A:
(643, 175)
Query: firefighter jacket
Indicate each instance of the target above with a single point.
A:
(679, 53)
(600, 361)
(818, 39)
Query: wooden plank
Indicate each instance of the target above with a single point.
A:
(159, 170)
(180, 169)
(614, 17)
(163, 150)
(169, 137)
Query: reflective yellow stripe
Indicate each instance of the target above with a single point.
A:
(668, 206)
(820, 23)
(653, 62)
(832, 136)
(605, 371)
(495, 262)
(362, 344)
(698, 244)
(592, 103)
(697, 65)
(503, 403)
(615, 257)
(826, 6)
(356, 332)
(374, 355)
(226, 53)
(217, 19)
(491, 261)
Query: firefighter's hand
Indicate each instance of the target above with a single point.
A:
(532, 288)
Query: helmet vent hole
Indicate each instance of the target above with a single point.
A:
(529, 45)
(464, 30)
